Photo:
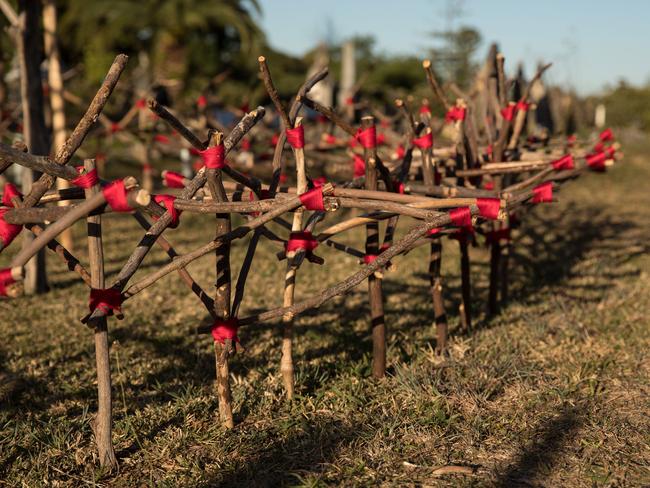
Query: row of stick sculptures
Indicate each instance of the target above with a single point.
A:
(480, 183)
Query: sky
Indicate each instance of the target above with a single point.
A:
(592, 43)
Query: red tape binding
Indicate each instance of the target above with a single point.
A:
(173, 180)
(10, 191)
(115, 127)
(107, 300)
(543, 193)
(398, 186)
(274, 140)
(359, 166)
(296, 137)
(606, 135)
(87, 180)
(301, 240)
(8, 232)
(509, 112)
(488, 185)
(367, 137)
(225, 329)
(320, 181)
(566, 162)
(434, 231)
(400, 152)
(5, 280)
(167, 201)
(214, 157)
(488, 207)
(425, 109)
(115, 195)
(596, 161)
(313, 199)
(330, 139)
(461, 217)
(424, 142)
(523, 106)
(201, 102)
(141, 103)
(162, 138)
(454, 114)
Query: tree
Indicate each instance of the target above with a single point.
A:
(454, 59)
(186, 40)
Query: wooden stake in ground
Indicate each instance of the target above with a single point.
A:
(103, 424)
(286, 362)
(372, 249)
(222, 292)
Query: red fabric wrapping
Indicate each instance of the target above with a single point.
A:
(349, 101)
(461, 217)
(543, 193)
(400, 152)
(107, 300)
(488, 185)
(320, 181)
(141, 103)
(115, 195)
(606, 135)
(367, 137)
(5, 280)
(384, 124)
(425, 109)
(509, 112)
(274, 140)
(599, 147)
(434, 231)
(115, 127)
(596, 161)
(359, 166)
(202, 101)
(214, 157)
(245, 144)
(87, 180)
(173, 180)
(313, 199)
(610, 152)
(330, 139)
(283, 178)
(454, 114)
(8, 232)
(162, 138)
(10, 191)
(195, 152)
(564, 163)
(296, 137)
(424, 142)
(523, 106)
(571, 139)
(381, 139)
(301, 240)
(167, 201)
(147, 168)
(225, 329)
(488, 207)
(399, 187)
(495, 236)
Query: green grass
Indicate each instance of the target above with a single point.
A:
(551, 392)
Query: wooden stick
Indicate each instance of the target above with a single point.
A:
(135, 196)
(103, 424)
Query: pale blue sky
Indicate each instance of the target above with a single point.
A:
(590, 42)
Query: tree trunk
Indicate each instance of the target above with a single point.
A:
(29, 44)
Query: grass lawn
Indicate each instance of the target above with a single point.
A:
(553, 391)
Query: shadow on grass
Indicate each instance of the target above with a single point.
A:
(287, 460)
(542, 453)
